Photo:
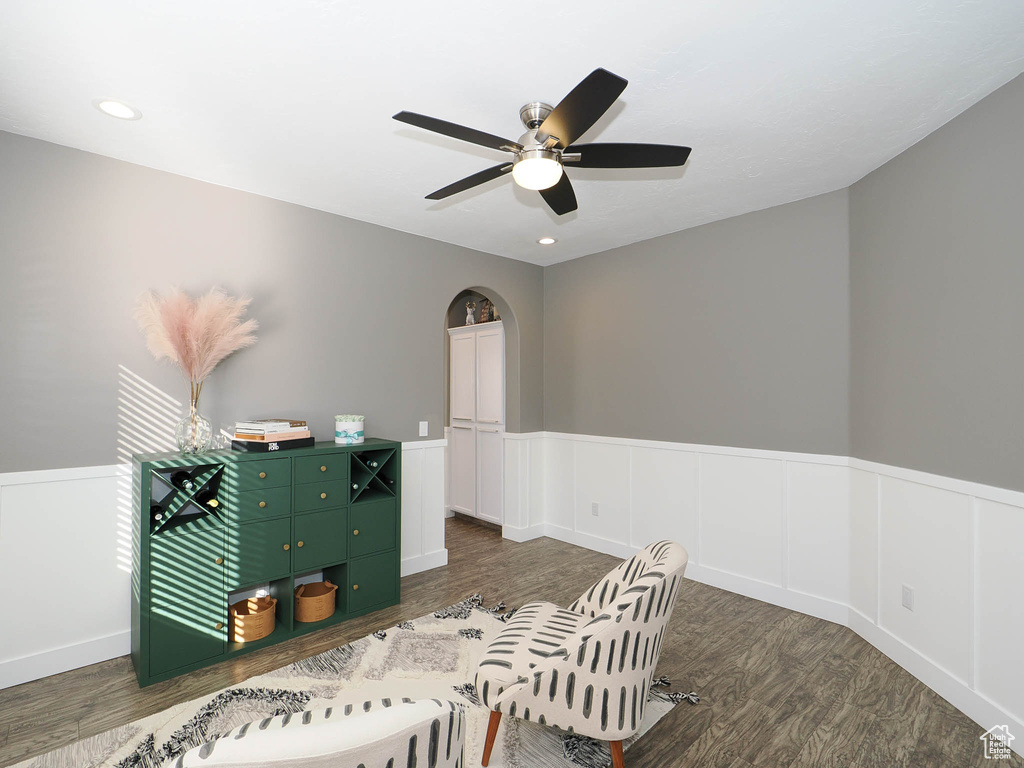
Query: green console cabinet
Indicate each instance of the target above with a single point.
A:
(209, 530)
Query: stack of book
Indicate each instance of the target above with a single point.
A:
(271, 435)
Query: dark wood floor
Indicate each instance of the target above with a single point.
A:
(777, 688)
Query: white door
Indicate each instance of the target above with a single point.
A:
(463, 377)
(490, 376)
(490, 463)
(462, 461)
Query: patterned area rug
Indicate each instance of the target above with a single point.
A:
(434, 656)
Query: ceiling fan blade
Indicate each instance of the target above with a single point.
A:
(457, 131)
(471, 181)
(582, 107)
(560, 197)
(626, 155)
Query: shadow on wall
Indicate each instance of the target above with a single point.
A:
(146, 417)
(455, 317)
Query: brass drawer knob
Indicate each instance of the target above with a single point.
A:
(287, 547)
(218, 625)
(323, 469)
(263, 504)
(219, 560)
(355, 532)
(299, 544)
(263, 475)
(323, 495)
(355, 586)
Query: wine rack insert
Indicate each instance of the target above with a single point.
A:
(374, 475)
(212, 529)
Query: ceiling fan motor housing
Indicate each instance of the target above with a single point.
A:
(534, 113)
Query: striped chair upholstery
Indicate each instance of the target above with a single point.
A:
(586, 669)
(429, 733)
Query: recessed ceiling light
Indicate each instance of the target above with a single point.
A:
(117, 109)
(547, 241)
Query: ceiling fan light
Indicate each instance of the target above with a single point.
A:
(537, 169)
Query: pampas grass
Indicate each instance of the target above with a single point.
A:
(196, 334)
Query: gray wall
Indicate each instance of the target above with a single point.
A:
(882, 321)
(937, 280)
(733, 333)
(351, 314)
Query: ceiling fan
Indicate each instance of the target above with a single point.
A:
(548, 143)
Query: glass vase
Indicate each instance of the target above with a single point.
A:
(194, 433)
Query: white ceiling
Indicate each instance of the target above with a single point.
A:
(294, 99)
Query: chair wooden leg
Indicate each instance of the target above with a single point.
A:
(617, 761)
(492, 732)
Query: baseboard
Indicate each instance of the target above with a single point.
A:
(522, 534)
(425, 562)
(980, 709)
(57, 660)
(557, 532)
(587, 541)
(819, 607)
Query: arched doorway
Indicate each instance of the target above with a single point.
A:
(481, 399)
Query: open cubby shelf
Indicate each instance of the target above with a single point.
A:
(276, 518)
(279, 589)
(279, 634)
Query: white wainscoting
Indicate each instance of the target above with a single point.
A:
(423, 506)
(67, 533)
(829, 536)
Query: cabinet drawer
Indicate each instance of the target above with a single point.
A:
(257, 553)
(320, 539)
(312, 469)
(327, 493)
(373, 580)
(259, 473)
(373, 527)
(248, 506)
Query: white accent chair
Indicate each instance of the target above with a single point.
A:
(586, 669)
(404, 732)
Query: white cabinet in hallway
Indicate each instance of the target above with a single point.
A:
(490, 443)
(463, 382)
(490, 375)
(477, 429)
(462, 467)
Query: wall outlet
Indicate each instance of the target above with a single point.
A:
(593, 509)
(423, 429)
(908, 597)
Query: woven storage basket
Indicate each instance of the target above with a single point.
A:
(314, 601)
(251, 619)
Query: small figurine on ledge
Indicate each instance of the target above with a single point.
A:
(470, 308)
